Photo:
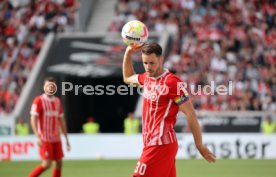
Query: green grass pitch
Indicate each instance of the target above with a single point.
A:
(124, 168)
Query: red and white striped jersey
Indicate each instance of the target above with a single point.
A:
(162, 95)
(49, 111)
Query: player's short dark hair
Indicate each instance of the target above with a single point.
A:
(150, 48)
(49, 79)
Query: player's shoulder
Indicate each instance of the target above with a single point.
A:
(57, 100)
(141, 75)
(38, 98)
(172, 78)
(144, 74)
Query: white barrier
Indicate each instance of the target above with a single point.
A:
(6, 125)
(233, 146)
(119, 146)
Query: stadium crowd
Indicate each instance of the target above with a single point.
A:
(23, 28)
(215, 41)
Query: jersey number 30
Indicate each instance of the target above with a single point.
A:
(140, 168)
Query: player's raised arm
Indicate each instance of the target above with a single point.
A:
(189, 111)
(129, 74)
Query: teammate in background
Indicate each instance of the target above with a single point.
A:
(90, 127)
(21, 128)
(164, 94)
(131, 124)
(46, 120)
(268, 126)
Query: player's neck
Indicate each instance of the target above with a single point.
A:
(48, 96)
(160, 72)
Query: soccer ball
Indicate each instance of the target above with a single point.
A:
(134, 33)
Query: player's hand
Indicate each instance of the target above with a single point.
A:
(206, 153)
(68, 146)
(132, 49)
(39, 141)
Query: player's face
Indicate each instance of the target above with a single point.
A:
(152, 64)
(49, 88)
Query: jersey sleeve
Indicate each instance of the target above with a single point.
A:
(178, 90)
(141, 78)
(36, 107)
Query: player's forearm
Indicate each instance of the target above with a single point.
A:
(34, 125)
(63, 128)
(127, 66)
(195, 128)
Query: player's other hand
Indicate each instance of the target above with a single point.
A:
(206, 153)
(68, 146)
(39, 141)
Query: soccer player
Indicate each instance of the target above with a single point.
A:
(46, 121)
(164, 95)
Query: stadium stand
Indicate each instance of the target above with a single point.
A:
(211, 42)
(215, 41)
(23, 27)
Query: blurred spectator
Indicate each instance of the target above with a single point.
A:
(23, 28)
(215, 41)
(90, 127)
(21, 127)
(131, 124)
(268, 126)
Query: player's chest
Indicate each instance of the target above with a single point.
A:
(50, 109)
(156, 91)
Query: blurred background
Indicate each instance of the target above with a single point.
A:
(229, 43)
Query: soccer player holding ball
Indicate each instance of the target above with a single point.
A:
(46, 120)
(164, 95)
